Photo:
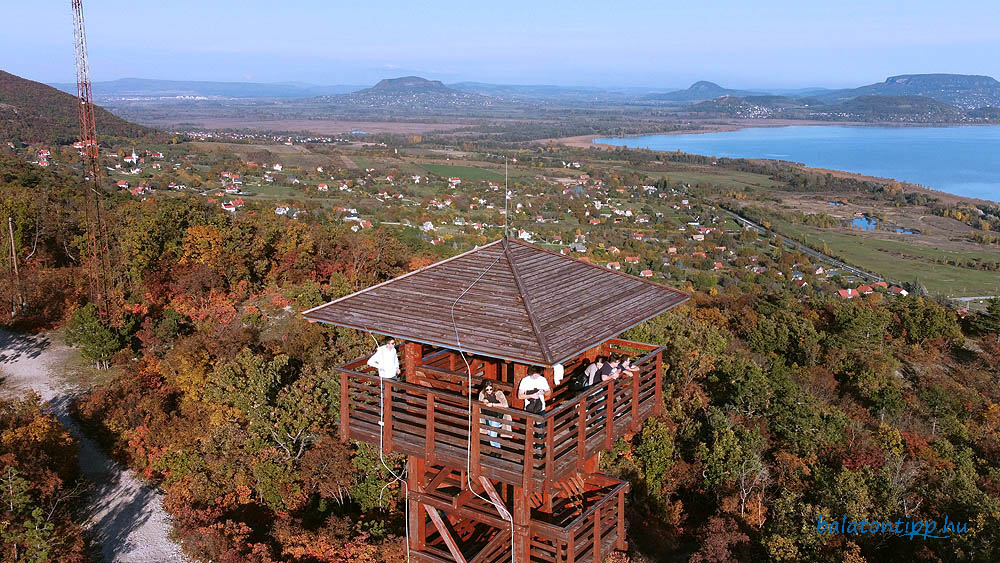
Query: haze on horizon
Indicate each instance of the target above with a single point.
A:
(782, 44)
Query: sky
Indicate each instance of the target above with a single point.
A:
(736, 43)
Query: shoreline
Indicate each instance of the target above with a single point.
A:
(587, 141)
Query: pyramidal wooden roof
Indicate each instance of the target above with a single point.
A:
(511, 300)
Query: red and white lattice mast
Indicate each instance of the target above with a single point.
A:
(92, 166)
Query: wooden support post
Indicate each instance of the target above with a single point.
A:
(609, 420)
(345, 409)
(386, 415)
(581, 434)
(445, 534)
(522, 525)
(658, 404)
(571, 549)
(474, 456)
(413, 355)
(417, 521)
(520, 371)
(429, 436)
(620, 543)
(597, 534)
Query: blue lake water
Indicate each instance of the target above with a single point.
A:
(960, 160)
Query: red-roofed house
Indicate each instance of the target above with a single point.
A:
(615, 265)
(865, 289)
(847, 293)
(646, 273)
(632, 259)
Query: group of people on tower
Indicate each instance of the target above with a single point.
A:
(534, 389)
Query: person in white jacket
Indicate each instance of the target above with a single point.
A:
(385, 359)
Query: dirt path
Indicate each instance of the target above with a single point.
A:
(125, 515)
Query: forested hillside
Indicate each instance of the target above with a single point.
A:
(33, 112)
(781, 408)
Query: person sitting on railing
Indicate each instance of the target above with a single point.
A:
(492, 397)
(628, 368)
(533, 390)
(385, 359)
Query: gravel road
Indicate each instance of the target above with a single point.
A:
(125, 515)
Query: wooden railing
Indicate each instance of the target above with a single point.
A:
(595, 525)
(590, 536)
(510, 445)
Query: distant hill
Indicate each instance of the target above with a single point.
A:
(699, 91)
(410, 93)
(408, 85)
(548, 92)
(34, 112)
(144, 87)
(896, 109)
(962, 90)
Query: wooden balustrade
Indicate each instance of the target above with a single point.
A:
(509, 445)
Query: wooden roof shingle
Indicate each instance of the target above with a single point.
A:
(511, 300)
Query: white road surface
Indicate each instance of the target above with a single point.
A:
(126, 519)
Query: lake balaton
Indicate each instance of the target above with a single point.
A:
(963, 160)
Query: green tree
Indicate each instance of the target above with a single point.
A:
(989, 320)
(97, 342)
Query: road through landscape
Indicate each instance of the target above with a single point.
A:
(125, 516)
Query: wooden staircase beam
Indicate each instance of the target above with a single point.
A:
(445, 534)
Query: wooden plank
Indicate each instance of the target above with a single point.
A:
(597, 534)
(658, 405)
(431, 427)
(345, 413)
(474, 438)
(445, 534)
(609, 435)
(620, 543)
(494, 497)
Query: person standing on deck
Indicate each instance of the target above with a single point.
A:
(533, 390)
(492, 397)
(385, 359)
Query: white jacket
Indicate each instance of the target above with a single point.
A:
(385, 361)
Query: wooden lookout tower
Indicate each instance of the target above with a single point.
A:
(526, 485)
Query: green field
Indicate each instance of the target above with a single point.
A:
(463, 172)
(880, 256)
(717, 176)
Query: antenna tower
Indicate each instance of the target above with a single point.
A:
(92, 166)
